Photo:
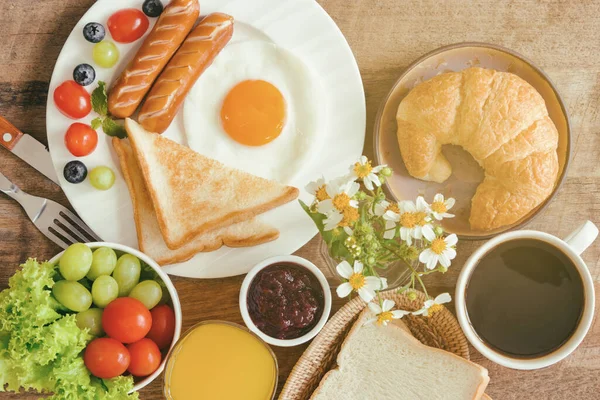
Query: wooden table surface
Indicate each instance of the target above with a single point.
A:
(561, 37)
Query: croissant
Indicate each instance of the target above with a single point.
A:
(497, 117)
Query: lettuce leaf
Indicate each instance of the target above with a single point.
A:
(41, 345)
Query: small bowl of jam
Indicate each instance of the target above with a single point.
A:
(285, 300)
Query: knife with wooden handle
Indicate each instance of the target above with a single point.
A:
(27, 148)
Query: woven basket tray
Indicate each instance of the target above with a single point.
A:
(440, 330)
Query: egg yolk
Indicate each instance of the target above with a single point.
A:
(253, 113)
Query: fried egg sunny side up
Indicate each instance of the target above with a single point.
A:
(256, 108)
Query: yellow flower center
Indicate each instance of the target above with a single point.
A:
(438, 245)
(362, 170)
(321, 193)
(439, 207)
(385, 316)
(408, 220)
(435, 308)
(420, 217)
(341, 201)
(350, 216)
(393, 207)
(357, 281)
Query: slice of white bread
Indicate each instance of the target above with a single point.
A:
(247, 233)
(387, 362)
(193, 194)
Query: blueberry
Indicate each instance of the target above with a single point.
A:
(75, 172)
(84, 74)
(152, 8)
(93, 32)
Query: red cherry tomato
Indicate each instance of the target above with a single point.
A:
(163, 326)
(81, 139)
(126, 320)
(128, 25)
(106, 358)
(145, 357)
(72, 100)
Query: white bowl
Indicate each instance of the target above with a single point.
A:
(292, 260)
(172, 293)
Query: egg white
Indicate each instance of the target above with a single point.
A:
(285, 156)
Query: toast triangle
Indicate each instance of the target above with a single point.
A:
(193, 194)
(247, 233)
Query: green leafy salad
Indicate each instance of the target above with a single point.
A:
(41, 345)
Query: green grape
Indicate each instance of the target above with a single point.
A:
(148, 292)
(104, 290)
(127, 273)
(105, 54)
(103, 263)
(92, 320)
(102, 178)
(72, 295)
(75, 262)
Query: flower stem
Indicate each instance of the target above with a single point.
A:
(414, 272)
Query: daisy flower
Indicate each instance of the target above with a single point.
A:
(339, 207)
(318, 189)
(365, 286)
(440, 249)
(432, 306)
(439, 207)
(332, 221)
(362, 169)
(384, 313)
(412, 218)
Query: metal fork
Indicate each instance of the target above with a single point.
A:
(55, 221)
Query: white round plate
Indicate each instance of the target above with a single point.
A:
(300, 26)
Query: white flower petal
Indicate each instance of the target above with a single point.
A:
(422, 311)
(407, 206)
(332, 220)
(366, 294)
(358, 267)
(353, 203)
(344, 289)
(426, 255)
(325, 206)
(344, 269)
(375, 308)
(375, 179)
(438, 197)
(438, 216)
(432, 262)
(428, 303)
(391, 216)
(363, 160)
(348, 231)
(447, 215)
(444, 260)
(443, 298)
(388, 305)
(384, 283)
(389, 234)
(451, 240)
(405, 235)
(421, 204)
(396, 314)
(368, 183)
(428, 232)
(373, 282)
(450, 253)
(450, 203)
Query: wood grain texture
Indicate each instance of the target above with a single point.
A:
(385, 36)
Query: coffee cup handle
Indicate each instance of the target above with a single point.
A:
(582, 237)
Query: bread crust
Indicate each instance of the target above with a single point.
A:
(502, 121)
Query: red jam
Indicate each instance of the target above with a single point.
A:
(285, 301)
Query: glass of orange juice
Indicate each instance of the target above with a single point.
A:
(220, 360)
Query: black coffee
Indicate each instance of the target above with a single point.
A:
(525, 298)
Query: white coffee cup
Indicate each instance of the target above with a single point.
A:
(572, 246)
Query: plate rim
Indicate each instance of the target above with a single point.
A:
(352, 66)
(561, 179)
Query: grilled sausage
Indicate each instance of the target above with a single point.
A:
(195, 55)
(175, 22)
